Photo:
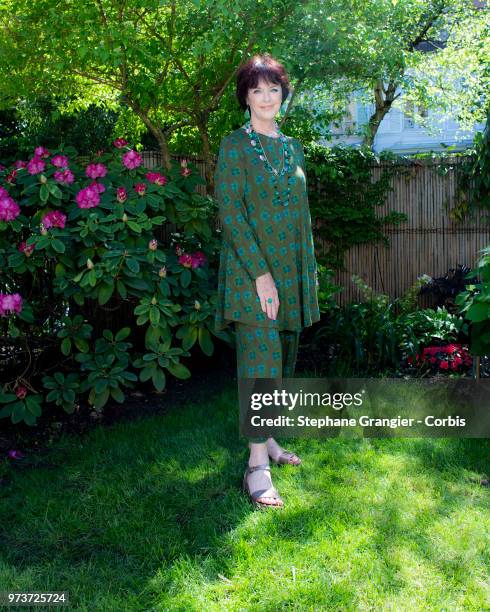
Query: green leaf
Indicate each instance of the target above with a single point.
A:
(134, 226)
(152, 336)
(33, 405)
(44, 193)
(123, 333)
(158, 379)
(205, 341)
(55, 190)
(66, 346)
(5, 398)
(105, 292)
(478, 312)
(59, 270)
(189, 338)
(154, 315)
(185, 277)
(133, 265)
(179, 370)
(58, 246)
(81, 344)
(14, 332)
(92, 278)
(121, 289)
(101, 400)
(69, 395)
(118, 395)
(146, 373)
(137, 283)
(141, 309)
(18, 412)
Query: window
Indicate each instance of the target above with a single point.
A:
(411, 113)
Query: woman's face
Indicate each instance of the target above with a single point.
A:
(264, 100)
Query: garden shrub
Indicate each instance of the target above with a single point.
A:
(79, 245)
(381, 334)
(474, 304)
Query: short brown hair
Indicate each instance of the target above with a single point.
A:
(265, 66)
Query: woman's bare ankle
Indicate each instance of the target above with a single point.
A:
(258, 453)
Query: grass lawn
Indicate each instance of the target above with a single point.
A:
(149, 515)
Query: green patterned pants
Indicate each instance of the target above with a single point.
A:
(265, 353)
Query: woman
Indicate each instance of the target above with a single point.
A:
(268, 273)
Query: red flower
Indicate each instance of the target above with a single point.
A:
(26, 249)
(122, 195)
(186, 260)
(119, 143)
(156, 177)
(15, 454)
(21, 392)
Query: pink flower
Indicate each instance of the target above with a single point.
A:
(88, 197)
(186, 260)
(178, 249)
(121, 194)
(119, 143)
(20, 164)
(10, 303)
(95, 171)
(10, 178)
(140, 188)
(59, 161)
(132, 160)
(64, 176)
(15, 454)
(99, 186)
(185, 171)
(444, 365)
(54, 218)
(9, 209)
(153, 245)
(36, 165)
(26, 249)
(21, 392)
(156, 177)
(4, 193)
(198, 258)
(41, 152)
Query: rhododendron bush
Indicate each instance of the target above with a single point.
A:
(81, 242)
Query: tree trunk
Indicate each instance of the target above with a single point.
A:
(383, 100)
(202, 126)
(155, 130)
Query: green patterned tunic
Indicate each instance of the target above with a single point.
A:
(259, 236)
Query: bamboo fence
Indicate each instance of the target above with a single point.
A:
(430, 242)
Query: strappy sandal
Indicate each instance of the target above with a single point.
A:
(254, 497)
(284, 459)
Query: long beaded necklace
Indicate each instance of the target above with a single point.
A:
(286, 166)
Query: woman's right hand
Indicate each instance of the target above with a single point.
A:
(266, 288)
